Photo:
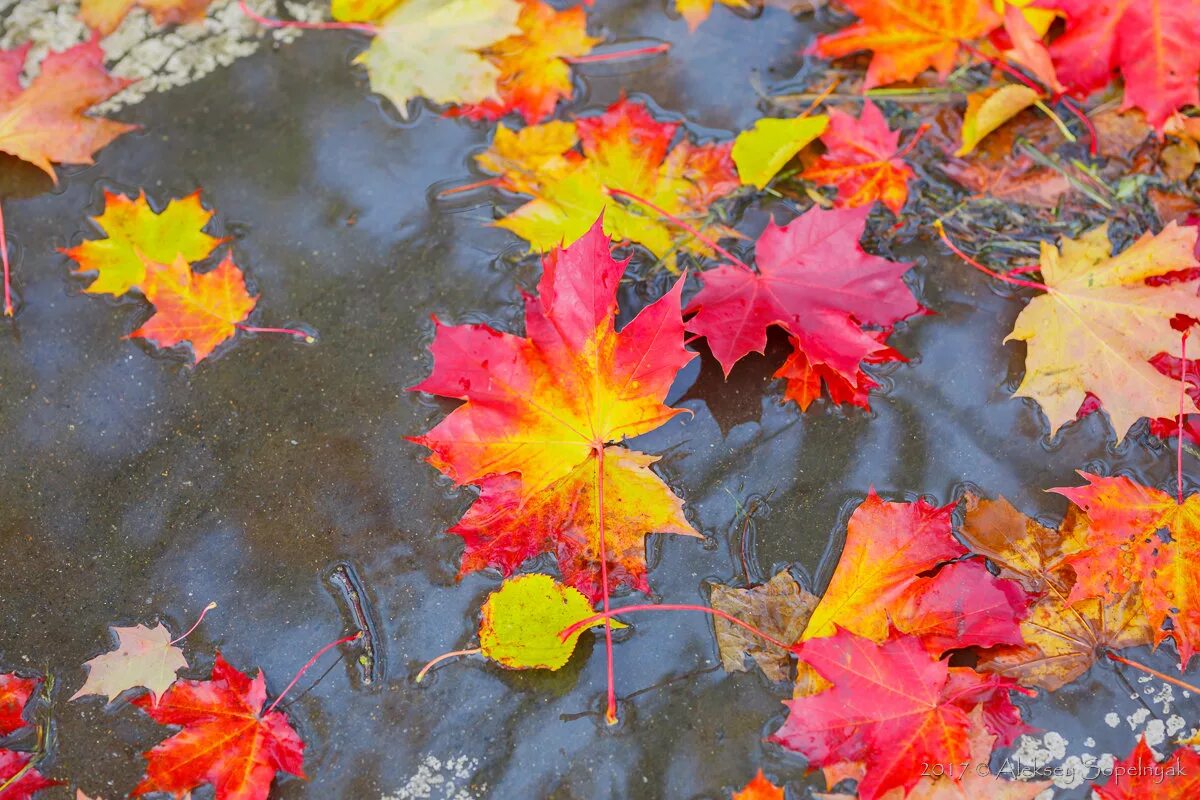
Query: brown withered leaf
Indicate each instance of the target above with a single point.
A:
(779, 607)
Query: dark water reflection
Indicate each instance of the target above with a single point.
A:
(134, 488)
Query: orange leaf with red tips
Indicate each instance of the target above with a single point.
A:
(46, 123)
(1140, 776)
(815, 281)
(29, 784)
(543, 418)
(893, 707)
(759, 788)
(226, 741)
(103, 16)
(1140, 538)
(534, 73)
(1151, 42)
(908, 36)
(15, 693)
(201, 309)
(862, 161)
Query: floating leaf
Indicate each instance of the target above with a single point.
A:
(991, 108)
(759, 788)
(695, 12)
(780, 608)
(15, 693)
(862, 160)
(31, 781)
(103, 16)
(145, 658)
(1141, 776)
(762, 151)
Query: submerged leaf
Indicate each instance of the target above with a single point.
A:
(779, 607)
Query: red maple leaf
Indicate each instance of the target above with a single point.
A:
(1141, 777)
(862, 159)
(815, 281)
(1152, 42)
(226, 740)
(29, 784)
(893, 707)
(15, 692)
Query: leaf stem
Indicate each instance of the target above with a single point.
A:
(667, 215)
(1162, 676)
(1000, 276)
(1179, 433)
(619, 55)
(453, 190)
(203, 613)
(610, 710)
(445, 657)
(267, 22)
(1056, 119)
(8, 304)
(307, 337)
(565, 633)
(908, 148)
(308, 665)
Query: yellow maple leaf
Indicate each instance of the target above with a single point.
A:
(991, 108)
(1099, 324)
(695, 12)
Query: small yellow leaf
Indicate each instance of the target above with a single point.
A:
(361, 10)
(764, 149)
(522, 620)
(1040, 19)
(987, 111)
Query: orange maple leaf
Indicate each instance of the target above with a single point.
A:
(534, 74)
(203, 309)
(1141, 776)
(862, 160)
(45, 123)
(103, 16)
(543, 419)
(226, 740)
(759, 788)
(908, 36)
(1140, 538)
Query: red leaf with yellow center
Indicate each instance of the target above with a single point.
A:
(1152, 42)
(534, 74)
(226, 741)
(625, 149)
(29, 784)
(815, 281)
(543, 419)
(1140, 776)
(908, 36)
(1140, 538)
(46, 123)
(202, 309)
(861, 160)
(15, 692)
(893, 707)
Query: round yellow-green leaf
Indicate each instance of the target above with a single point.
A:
(762, 151)
(522, 620)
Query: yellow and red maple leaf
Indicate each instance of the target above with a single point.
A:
(543, 419)
(862, 160)
(908, 36)
(1141, 776)
(534, 73)
(894, 708)
(759, 788)
(46, 122)
(624, 149)
(1141, 539)
(226, 741)
(201, 309)
(103, 16)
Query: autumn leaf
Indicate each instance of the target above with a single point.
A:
(521, 622)
(1151, 43)
(135, 233)
(624, 149)
(1025, 45)
(879, 583)
(816, 282)
(145, 658)
(15, 693)
(759, 788)
(543, 418)
(779, 607)
(1140, 538)
(893, 707)
(764, 149)
(1100, 323)
(528, 159)
(908, 36)
(989, 109)
(46, 123)
(201, 309)
(361, 10)
(971, 780)
(863, 160)
(103, 16)
(435, 49)
(695, 12)
(1062, 638)
(226, 741)
(31, 781)
(1141, 776)
(533, 73)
